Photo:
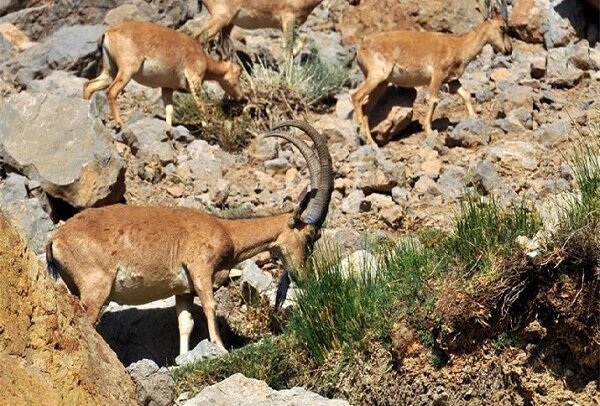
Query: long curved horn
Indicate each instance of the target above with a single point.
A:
(312, 160)
(504, 10)
(317, 209)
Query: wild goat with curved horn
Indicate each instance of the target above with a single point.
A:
(138, 254)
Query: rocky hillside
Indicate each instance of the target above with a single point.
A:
(60, 154)
(49, 352)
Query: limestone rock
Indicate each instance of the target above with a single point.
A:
(155, 386)
(69, 48)
(204, 350)
(239, 390)
(71, 158)
(148, 136)
(25, 212)
(391, 114)
(50, 354)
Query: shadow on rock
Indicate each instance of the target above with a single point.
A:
(135, 334)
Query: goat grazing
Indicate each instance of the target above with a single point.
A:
(158, 56)
(253, 14)
(135, 254)
(415, 58)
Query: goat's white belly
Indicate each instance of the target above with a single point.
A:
(154, 74)
(131, 287)
(248, 20)
(410, 78)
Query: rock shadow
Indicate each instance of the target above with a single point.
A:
(134, 334)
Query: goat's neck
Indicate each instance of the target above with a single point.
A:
(473, 42)
(215, 69)
(255, 235)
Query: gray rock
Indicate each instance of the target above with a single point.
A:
(564, 22)
(59, 83)
(374, 172)
(254, 281)
(239, 390)
(344, 107)
(24, 212)
(554, 133)
(360, 263)
(426, 188)
(155, 386)
(69, 48)
(148, 136)
(582, 56)
(392, 216)
(400, 195)
(452, 182)
(559, 72)
(391, 114)
(485, 174)
(72, 158)
(513, 97)
(351, 203)
(469, 133)
(204, 350)
(264, 149)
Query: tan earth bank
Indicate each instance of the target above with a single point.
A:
(533, 107)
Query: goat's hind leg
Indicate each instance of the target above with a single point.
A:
(123, 77)
(457, 87)
(362, 94)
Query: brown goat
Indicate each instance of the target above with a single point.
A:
(158, 56)
(134, 255)
(253, 14)
(415, 58)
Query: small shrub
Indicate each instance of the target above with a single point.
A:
(484, 236)
(336, 312)
(227, 124)
(293, 89)
(579, 224)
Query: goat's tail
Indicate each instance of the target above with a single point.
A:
(282, 289)
(51, 264)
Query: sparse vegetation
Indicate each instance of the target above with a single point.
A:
(293, 88)
(228, 125)
(338, 317)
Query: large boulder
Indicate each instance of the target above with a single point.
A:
(552, 22)
(239, 390)
(50, 354)
(55, 141)
(373, 16)
(69, 48)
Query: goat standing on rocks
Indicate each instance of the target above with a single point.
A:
(415, 58)
(135, 254)
(158, 56)
(253, 14)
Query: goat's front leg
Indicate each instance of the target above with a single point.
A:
(434, 90)
(457, 87)
(195, 83)
(203, 285)
(185, 321)
(167, 98)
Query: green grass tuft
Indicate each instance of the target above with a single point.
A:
(336, 311)
(484, 235)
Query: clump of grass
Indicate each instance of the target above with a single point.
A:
(335, 311)
(484, 235)
(579, 225)
(274, 360)
(226, 124)
(293, 88)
